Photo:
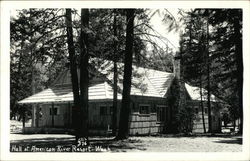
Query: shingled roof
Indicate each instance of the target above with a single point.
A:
(148, 82)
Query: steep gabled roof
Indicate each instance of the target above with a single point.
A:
(145, 82)
(99, 91)
(194, 93)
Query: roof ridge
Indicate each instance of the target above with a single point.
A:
(153, 69)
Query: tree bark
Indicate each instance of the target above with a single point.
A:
(239, 62)
(202, 107)
(125, 109)
(208, 78)
(73, 70)
(23, 119)
(114, 116)
(33, 88)
(84, 73)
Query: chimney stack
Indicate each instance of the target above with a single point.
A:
(177, 66)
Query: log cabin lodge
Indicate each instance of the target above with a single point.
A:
(150, 111)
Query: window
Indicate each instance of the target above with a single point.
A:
(144, 109)
(153, 109)
(196, 110)
(106, 110)
(103, 110)
(55, 112)
(161, 113)
(206, 111)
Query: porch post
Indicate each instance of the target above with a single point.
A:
(33, 116)
(52, 112)
(36, 116)
(23, 111)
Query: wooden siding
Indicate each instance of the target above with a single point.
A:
(62, 119)
(139, 124)
(198, 123)
(97, 121)
(144, 124)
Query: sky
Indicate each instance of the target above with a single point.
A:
(171, 38)
(161, 28)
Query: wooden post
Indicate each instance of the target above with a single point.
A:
(23, 111)
(33, 124)
(36, 116)
(52, 112)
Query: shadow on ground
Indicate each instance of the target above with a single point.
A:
(139, 143)
(121, 145)
(231, 141)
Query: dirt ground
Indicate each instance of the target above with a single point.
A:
(163, 143)
(136, 144)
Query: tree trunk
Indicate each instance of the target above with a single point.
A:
(114, 116)
(208, 79)
(202, 107)
(234, 122)
(239, 62)
(33, 88)
(125, 109)
(84, 74)
(203, 118)
(23, 119)
(73, 70)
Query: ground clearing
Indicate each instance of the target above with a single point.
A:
(137, 144)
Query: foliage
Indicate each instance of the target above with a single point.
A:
(182, 117)
(225, 53)
(37, 52)
(184, 120)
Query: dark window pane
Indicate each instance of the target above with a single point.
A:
(103, 110)
(55, 111)
(196, 110)
(153, 109)
(106, 110)
(206, 110)
(144, 109)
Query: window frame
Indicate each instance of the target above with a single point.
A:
(205, 110)
(56, 108)
(148, 109)
(153, 109)
(196, 110)
(108, 110)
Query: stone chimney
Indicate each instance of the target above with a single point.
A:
(177, 66)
